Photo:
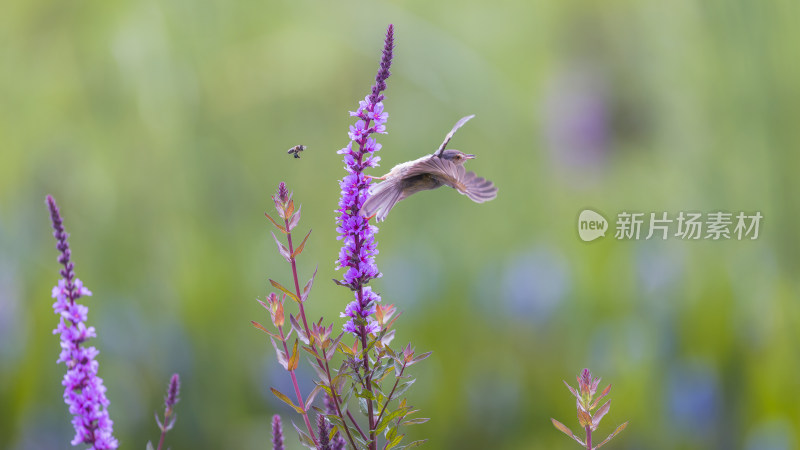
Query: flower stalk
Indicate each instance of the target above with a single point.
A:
(84, 391)
(586, 403)
(169, 403)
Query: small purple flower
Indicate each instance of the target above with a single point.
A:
(358, 252)
(84, 391)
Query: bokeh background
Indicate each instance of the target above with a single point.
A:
(161, 127)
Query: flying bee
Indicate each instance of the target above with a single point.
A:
(296, 150)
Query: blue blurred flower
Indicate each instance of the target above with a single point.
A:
(693, 398)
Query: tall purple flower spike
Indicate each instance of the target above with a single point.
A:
(83, 389)
(357, 255)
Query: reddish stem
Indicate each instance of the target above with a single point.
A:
(297, 390)
(588, 437)
(308, 333)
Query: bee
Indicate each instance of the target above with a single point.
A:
(296, 150)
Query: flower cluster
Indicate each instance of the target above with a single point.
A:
(587, 388)
(357, 255)
(84, 391)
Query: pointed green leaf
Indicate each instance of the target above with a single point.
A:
(305, 439)
(299, 249)
(598, 415)
(416, 421)
(282, 358)
(402, 388)
(286, 400)
(281, 248)
(602, 394)
(312, 395)
(261, 327)
(295, 218)
(284, 290)
(300, 330)
(393, 443)
(280, 227)
(619, 428)
(420, 358)
(563, 428)
(307, 288)
(294, 359)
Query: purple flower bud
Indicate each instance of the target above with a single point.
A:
(323, 430)
(283, 193)
(277, 433)
(173, 390)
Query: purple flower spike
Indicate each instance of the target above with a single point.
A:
(357, 256)
(84, 391)
(172, 392)
(277, 433)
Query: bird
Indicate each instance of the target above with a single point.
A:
(441, 168)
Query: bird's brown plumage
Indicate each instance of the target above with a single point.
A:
(444, 167)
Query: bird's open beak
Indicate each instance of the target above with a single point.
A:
(469, 156)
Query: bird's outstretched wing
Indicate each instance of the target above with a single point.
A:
(449, 136)
(382, 198)
(478, 189)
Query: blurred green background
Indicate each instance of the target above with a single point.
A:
(161, 127)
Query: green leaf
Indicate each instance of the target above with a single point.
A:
(295, 218)
(282, 358)
(563, 428)
(389, 417)
(602, 394)
(401, 389)
(394, 442)
(416, 443)
(305, 439)
(300, 331)
(284, 290)
(281, 248)
(299, 249)
(365, 394)
(323, 377)
(362, 403)
(280, 227)
(333, 346)
(572, 389)
(286, 400)
(598, 415)
(416, 421)
(420, 358)
(335, 420)
(307, 288)
(294, 359)
(619, 428)
(262, 328)
(584, 418)
(312, 395)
